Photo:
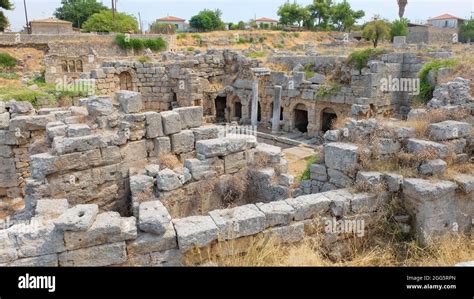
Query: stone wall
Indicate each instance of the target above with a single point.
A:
(430, 35)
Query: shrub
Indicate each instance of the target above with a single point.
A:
(399, 28)
(308, 70)
(158, 28)
(7, 61)
(306, 174)
(181, 36)
(23, 94)
(255, 54)
(9, 76)
(143, 59)
(360, 58)
(426, 89)
(155, 44)
(327, 90)
(190, 49)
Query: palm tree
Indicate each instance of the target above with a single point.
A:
(401, 7)
(4, 4)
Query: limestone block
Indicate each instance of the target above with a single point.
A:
(465, 182)
(96, 256)
(141, 184)
(417, 146)
(339, 179)
(162, 146)
(318, 172)
(433, 167)
(108, 227)
(50, 260)
(169, 258)
(51, 208)
(394, 181)
(171, 122)
(62, 145)
(286, 180)
(201, 169)
(154, 126)
(37, 238)
(308, 206)
(8, 176)
(269, 153)
(78, 218)
(364, 203)
(277, 212)
(182, 142)
(78, 130)
(168, 180)
(130, 101)
(153, 217)
(7, 247)
(341, 156)
(30, 123)
(21, 107)
(447, 130)
(206, 132)
(4, 120)
(286, 234)
(195, 231)
(369, 178)
(147, 243)
(99, 106)
(238, 222)
(191, 117)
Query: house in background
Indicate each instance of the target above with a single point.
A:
(179, 23)
(51, 26)
(266, 22)
(446, 21)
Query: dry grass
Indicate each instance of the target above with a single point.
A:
(168, 161)
(232, 188)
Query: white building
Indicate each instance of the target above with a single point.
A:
(179, 23)
(446, 21)
(266, 22)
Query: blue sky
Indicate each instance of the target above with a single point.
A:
(235, 10)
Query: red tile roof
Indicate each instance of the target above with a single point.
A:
(171, 19)
(445, 17)
(266, 20)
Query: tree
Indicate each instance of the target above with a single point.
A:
(343, 17)
(160, 28)
(207, 20)
(466, 31)
(78, 11)
(291, 13)
(321, 11)
(7, 5)
(376, 30)
(241, 25)
(401, 7)
(399, 28)
(104, 22)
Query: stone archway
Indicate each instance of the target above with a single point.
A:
(125, 81)
(301, 118)
(328, 117)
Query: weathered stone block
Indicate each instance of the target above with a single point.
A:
(153, 217)
(168, 180)
(51, 208)
(78, 218)
(99, 106)
(394, 181)
(318, 172)
(277, 212)
(339, 179)
(341, 156)
(308, 206)
(447, 130)
(96, 256)
(238, 222)
(78, 130)
(417, 146)
(171, 121)
(286, 234)
(191, 117)
(201, 169)
(465, 182)
(108, 227)
(4, 120)
(154, 126)
(206, 132)
(234, 162)
(130, 101)
(433, 167)
(63, 145)
(7, 247)
(169, 258)
(162, 146)
(195, 231)
(182, 142)
(147, 243)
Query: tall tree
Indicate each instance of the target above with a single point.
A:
(376, 30)
(103, 22)
(401, 7)
(78, 11)
(207, 20)
(344, 17)
(291, 13)
(7, 5)
(321, 12)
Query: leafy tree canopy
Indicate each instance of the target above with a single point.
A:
(7, 5)
(376, 30)
(291, 13)
(78, 11)
(104, 22)
(467, 30)
(207, 20)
